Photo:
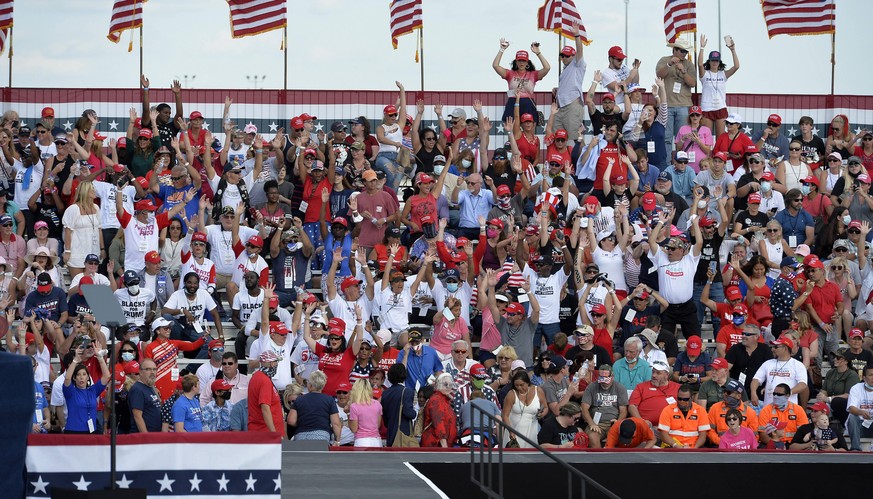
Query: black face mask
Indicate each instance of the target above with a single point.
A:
(225, 396)
(429, 231)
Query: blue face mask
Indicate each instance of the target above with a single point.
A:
(438, 168)
(452, 287)
(739, 320)
(804, 189)
(466, 163)
(780, 402)
(869, 387)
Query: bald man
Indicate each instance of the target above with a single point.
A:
(474, 202)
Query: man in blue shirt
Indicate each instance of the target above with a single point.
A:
(474, 202)
(183, 178)
(421, 360)
(798, 226)
(144, 400)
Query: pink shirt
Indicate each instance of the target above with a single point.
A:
(444, 334)
(521, 85)
(490, 334)
(367, 417)
(695, 153)
(745, 440)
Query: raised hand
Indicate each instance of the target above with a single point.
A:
(485, 126)
(182, 124)
(177, 87)
(153, 115)
(504, 43)
(598, 77)
(535, 48)
(526, 285)
(438, 108)
(143, 81)
(399, 86)
(419, 107)
(477, 105)
(338, 253)
(702, 42)
(133, 114)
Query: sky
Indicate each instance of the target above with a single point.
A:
(345, 44)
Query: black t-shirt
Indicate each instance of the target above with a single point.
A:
(709, 253)
(857, 361)
(600, 120)
(815, 147)
(64, 174)
(599, 352)
(507, 178)
(679, 205)
(567, 311)
(638, 322)
(804, 430)
(667, 342)
(611, 198)
(425, 160)
(747, 220)
(147, 400)
(552, 432)
(648, 278)
(740, 202)
(743, 363)
(51, 216)
(168, 131)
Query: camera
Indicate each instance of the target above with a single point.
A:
(601, 277)
(86, 343)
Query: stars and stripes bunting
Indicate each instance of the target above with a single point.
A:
(405, 18)
(253, 17)
(799, 17)
(680, 16)
(559, 16)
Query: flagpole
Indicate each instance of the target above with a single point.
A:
(833, 58)
(140, 50)
(559, 54)
(285, 45)
(10, 57)
(421, 55)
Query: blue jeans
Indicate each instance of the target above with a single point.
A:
(677, 117)
(549, 330)
(856, 431)
(386, 162)
(716, 294)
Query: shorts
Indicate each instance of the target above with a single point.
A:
(221, 281)
(718, 114)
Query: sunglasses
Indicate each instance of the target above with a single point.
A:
(228, 363)
(342, 393)
(565, 56)
(672, 248)
(868, 139)
(732, 419)
(854, 231)
(780, 394)
(596, 315)
(459, 351)
(754, 161)
(393, 115)
(683, 399)
(747, 335)
(854, 163)
(793, 148)
(128, 351)
(430, 138)
(840, 250)
(180, 177)
(770, 123)
(504, 358)
(837, 267)
(218, 349)
(773, 230)
(835, 160)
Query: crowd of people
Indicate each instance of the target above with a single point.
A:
(382, 283)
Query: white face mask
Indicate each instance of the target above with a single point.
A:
(127, 357)
(133, 290)
(466, 163)
(701, 204)
(438, 168)
(847, 219)
(766, 186)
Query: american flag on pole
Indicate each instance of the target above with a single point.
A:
(559, 16)
(253, 17)
(5, 22)
(405, 18)
(799, 17)
(165, 464)
(126, 14)
(680, 16)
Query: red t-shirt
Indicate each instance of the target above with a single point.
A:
(312, 196)
(337, 366)
(737, 146)
(618, 168)
(824, 300)
(602, 338)
(262, 391)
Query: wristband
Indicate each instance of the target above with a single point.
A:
(258, 151)
(146, 89)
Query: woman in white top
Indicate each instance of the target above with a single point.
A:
(608, 255)
(713, 80)
(773, 247)
(793, 170)
(82, 234)
(170, 242)
(827, 177)
(390, 137)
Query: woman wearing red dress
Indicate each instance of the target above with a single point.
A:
(164, 352)
(440, 423)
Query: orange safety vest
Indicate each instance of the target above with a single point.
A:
(685, 429)
(793, 414)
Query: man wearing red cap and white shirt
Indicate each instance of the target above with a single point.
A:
(142, 229)
(390, 137)
(770, 142)
(274, 338)
(616, 77)
(676, 266)
(569, 94)
(825, 306)
(343, 306)
(252, 326)
(208, 371)
(249, 259)
(781, 369)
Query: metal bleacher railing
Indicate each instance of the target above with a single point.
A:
(488, 474)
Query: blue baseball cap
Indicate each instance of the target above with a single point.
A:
(789, 261)
(665, 175)
(453, 274)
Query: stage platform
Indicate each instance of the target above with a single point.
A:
(629, 474)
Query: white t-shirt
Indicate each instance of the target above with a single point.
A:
(57, 398)
(222, 254)
(595, 296)
(394, 309)
(231, 196)
(859, 398)
(245, 264)
(345, 310)
(106, 192)
(283, 371)
(675, 279)
(22, 194)
(775, 372)
(99, 279)
(46, 152)
(610, 75)
(713, 91)
(201, 302)
(464, 293)
(304, 360)
(207, 373)
(255, 319)
(548, 292)
(247, 304)
(612, 263)
(135, 308)
(139, 239)
(203, 270)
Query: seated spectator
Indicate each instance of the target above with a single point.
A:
(737, 436)
(860, 410)
(683, 424)
(631, 369)
(782, 413)
(836, 385)
(603, 403)
(819, 433)
(732, 400)
(632, 433)
(560, 432)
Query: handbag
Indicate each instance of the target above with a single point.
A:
(419, 422)
(401, 439)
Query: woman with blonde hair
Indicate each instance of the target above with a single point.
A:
(501, 373)
(839, 274)
(82, 230)
(365, 416)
